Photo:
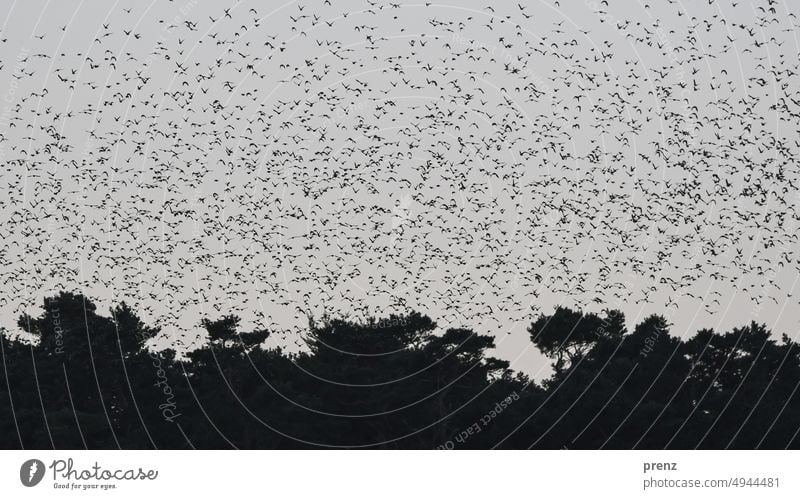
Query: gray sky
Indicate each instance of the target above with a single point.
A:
(479, 163)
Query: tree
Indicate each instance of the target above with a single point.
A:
(77, 379)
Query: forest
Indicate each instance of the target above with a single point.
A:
(78, 378)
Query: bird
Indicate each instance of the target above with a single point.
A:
(374, 156)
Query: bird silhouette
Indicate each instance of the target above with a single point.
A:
(372, 155)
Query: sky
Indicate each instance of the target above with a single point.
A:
(478, 162)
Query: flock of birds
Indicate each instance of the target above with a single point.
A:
(469, 161)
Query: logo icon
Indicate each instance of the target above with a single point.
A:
(31, 472)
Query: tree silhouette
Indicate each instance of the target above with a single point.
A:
(73, 378)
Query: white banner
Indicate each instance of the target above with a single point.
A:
(400, 474)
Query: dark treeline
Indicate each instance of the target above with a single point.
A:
(90, 380)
